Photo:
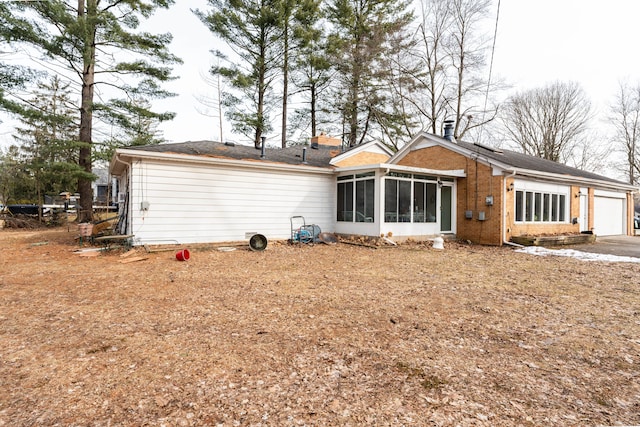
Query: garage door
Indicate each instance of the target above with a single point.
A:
(609, 216)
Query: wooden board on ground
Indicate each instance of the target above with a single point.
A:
(128, 253)
(134, 259)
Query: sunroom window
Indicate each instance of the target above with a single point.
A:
(356, 197)
(410, 198)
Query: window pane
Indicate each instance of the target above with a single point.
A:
(364, 200)
(345, 201)
(419, 199)
(519, 214)
(365, 174)
(545, 206)
(360, 201)
(404, 201)
(369, 207)
(561, 216)
(390, 200)
(446, 194)
(538, 207)
(528, 206)
(554, 207)
(399, 175)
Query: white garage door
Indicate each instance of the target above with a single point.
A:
(609, 216)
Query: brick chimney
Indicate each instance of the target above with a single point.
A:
(323, 139)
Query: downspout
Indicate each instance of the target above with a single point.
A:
(504, 212)
(128, 210)
(117, 159)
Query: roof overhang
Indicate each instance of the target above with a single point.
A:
(565, 179)
(124, 157)
(424, 140)
(388, 167)
(371, 146)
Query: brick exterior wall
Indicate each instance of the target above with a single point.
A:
(471, 193)
(630, 214)
(542, 228)
(591, 208)
(363, 159)
(323, 139)
(480, 183)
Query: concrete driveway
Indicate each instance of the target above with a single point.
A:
(613, 245)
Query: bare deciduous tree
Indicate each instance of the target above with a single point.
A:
(96, 42)
(468, 58)
(450, 53)
(432, 60)
(625, 114)
(549, 122)
(360, 39)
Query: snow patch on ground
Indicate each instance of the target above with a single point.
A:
(572, 253)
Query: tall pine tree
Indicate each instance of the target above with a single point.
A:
(95, 41)
(251, 28)
(361, 35)
(48, 139)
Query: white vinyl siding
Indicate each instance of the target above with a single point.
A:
(192, 203)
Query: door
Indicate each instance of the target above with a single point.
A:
(584, 210)
(446, 211)
(609, 216)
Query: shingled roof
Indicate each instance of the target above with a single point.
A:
(315, 157)
(526, 162)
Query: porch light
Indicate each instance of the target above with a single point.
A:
(578, 194)
(510, 187)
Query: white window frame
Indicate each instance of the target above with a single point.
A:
(353, 179)
(536, 194)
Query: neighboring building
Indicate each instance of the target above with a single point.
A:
(197, 192)
(101, 187)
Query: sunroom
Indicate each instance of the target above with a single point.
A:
(394, 200)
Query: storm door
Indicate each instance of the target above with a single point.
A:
(446, 210)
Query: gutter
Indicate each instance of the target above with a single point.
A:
(116, 159)
(455, 173)
(574, 179)
(255, 164)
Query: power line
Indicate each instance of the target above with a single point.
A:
(493, 50)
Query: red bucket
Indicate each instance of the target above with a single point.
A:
(182, 255)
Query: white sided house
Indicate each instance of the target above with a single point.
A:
(202, 192)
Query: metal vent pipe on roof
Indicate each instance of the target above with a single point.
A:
(304, 155)
(262, 147)
(448, 130)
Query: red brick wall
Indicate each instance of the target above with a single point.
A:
(471, 193)
(630, 214)
(514, 229)
(480, 183)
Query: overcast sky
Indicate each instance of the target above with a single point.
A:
(539, 41)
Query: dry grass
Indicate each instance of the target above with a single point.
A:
(315, 335)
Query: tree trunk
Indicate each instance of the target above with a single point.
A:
(313, 111)
(352, 111)
(261, 89)
(285, 82)
(85, 214)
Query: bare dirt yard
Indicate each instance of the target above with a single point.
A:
(317, 335)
